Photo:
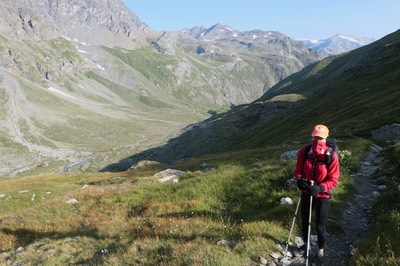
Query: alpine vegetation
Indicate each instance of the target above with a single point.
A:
(121, 145)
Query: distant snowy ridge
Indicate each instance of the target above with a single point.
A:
(337, 44)
(351, 39)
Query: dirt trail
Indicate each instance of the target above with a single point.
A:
(356, 217)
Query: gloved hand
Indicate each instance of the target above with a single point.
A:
(314, 190)
(303, 183)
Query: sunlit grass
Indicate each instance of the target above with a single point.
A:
(229, 214)
(291, 97)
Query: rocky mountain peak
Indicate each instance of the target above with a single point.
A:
(106, 22)
(108, 14)
(222, 32)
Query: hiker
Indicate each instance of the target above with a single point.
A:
(312, 164)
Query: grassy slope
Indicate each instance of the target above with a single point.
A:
(117, 97)
(116, 116)
(141, 221)
(352, 94)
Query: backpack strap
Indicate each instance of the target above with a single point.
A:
(329, 156)
(306, 152)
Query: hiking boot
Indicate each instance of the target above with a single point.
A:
(301, 251)
(318, 260)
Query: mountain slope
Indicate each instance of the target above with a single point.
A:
(353, 94)
(87, 83)
(278, 55)
(104, 22)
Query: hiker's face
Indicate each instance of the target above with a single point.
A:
(318, 144)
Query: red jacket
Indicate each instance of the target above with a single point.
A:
(326, 177)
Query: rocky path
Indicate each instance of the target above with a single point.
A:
(355, 221)
(356, 218)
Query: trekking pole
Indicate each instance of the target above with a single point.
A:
(291, 228)
(309, 226)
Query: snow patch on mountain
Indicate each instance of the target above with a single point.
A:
(350, 39)
(52, 89)
(340, 43)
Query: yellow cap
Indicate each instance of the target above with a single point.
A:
(320, 131)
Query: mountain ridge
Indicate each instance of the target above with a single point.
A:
(124, 80)
(86, 21)
(336, 44)
(75, 108)
(293, 99)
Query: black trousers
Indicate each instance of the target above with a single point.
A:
(321, 207)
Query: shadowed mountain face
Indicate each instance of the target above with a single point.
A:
(353, 94)
(86, 83)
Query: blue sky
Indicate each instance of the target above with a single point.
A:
(310, 19)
